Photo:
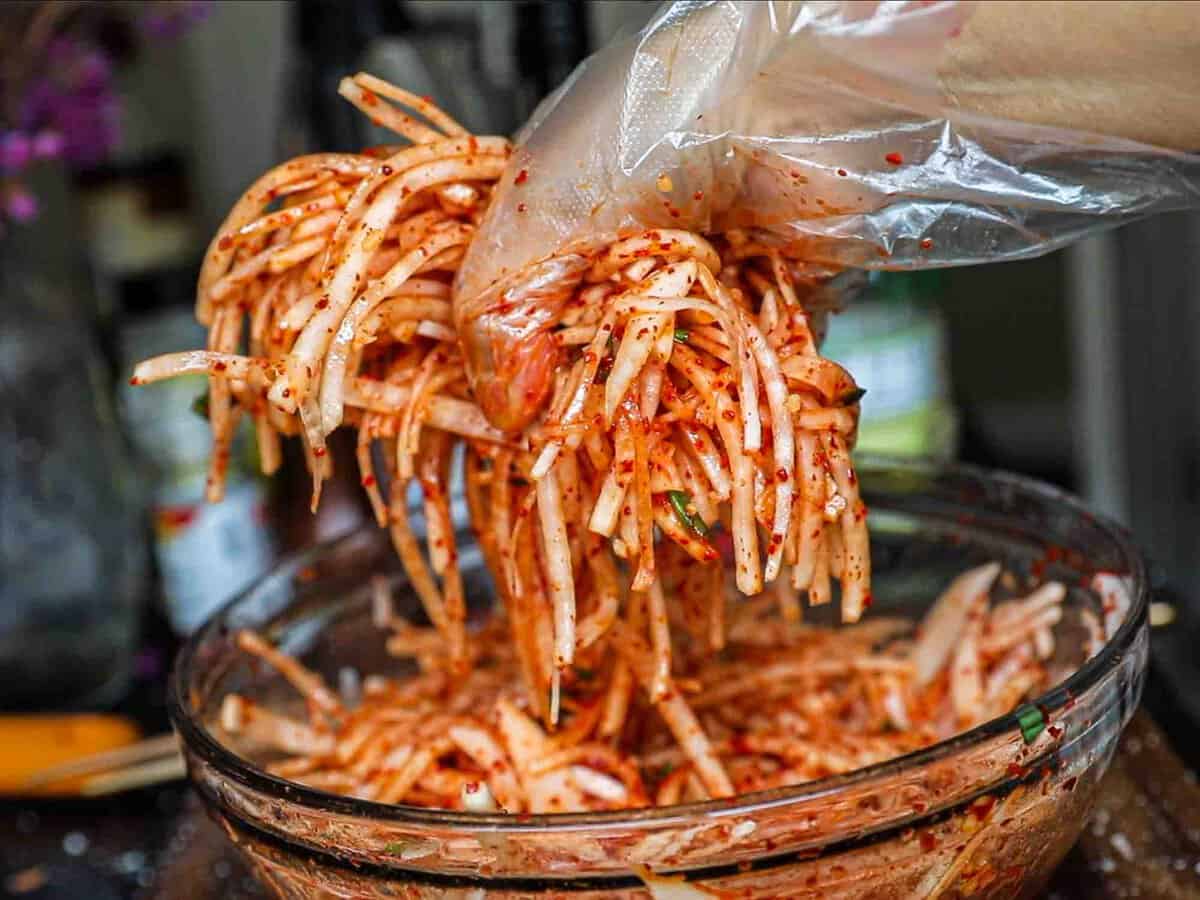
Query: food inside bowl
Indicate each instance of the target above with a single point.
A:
(986, 813)
(783, 703)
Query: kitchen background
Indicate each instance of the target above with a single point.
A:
(1080, 367)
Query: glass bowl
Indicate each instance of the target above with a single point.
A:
(985, 814)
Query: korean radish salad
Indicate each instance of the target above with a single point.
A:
(659, 479)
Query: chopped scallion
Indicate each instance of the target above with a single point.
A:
(681, 335)
(680, 500)
(1032, 723)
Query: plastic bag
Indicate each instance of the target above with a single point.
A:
(822, 123)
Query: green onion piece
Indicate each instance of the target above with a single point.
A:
(851, 397)
(681, 335)
(1032, 722)
(679, 501)
(200, 405)
(396, 848)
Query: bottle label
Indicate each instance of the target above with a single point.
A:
(208, 552)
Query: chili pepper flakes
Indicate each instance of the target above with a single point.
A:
(522, 177)
(895, 159)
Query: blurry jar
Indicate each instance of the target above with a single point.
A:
(894, 341)
(72, 565)
(205, 552)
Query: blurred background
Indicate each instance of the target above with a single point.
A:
(134, 126)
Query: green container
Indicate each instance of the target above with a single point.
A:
(894, 341)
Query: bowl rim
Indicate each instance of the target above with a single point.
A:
(198, 741)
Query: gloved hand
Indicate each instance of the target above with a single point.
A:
(849, 134)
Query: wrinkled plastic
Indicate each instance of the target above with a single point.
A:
(822, 123)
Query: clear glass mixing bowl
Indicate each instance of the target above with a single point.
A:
(983, 815)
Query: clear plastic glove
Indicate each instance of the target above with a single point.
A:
(854, 134)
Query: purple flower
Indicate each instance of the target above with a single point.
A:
(68, 105)
(76, 100)
(47, 145)
(20, 205)
(15, 151)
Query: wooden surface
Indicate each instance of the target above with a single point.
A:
(1143, 839)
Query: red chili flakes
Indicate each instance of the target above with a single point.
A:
(895, 159)
(368, 481)
(521, 207)
(319, 451)
(322, 303)
(386, 170)
(427, 98)
(842, 172)
(927, 244)
(698, 196)
(782, 474)
(982, 807)
(522, 177)
(868, 601)
(134, 380)
(225, 242)
(928, 841)
(219, 366)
